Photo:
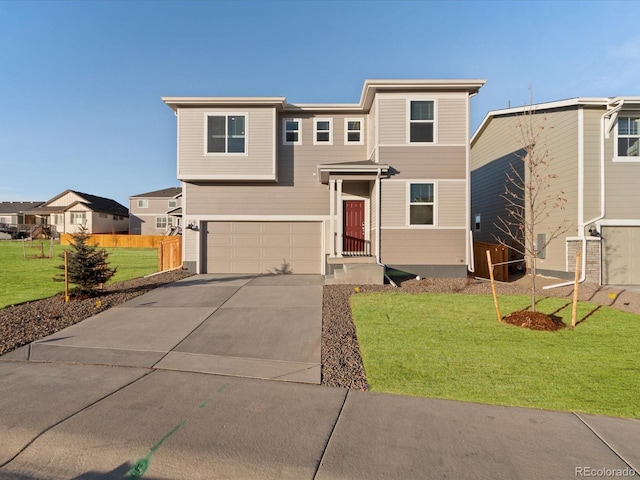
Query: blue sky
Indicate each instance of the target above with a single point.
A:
(81, 81)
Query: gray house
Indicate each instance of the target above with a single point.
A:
(156, 213)
(593, 149)
(14, 222)
(271, 186)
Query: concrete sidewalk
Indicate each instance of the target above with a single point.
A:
(160, 385)
(62, 421)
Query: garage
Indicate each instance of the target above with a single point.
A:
(621, 255)
(262, 247)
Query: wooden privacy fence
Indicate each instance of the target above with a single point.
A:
(169, 253)
(123, 241)
(499, 254)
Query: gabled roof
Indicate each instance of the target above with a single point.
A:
(171, 192)
(370, 88)
(18, 207)
(93, 202)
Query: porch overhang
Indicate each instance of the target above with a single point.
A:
(359, 170)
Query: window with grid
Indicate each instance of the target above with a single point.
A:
(421, 121)
(291, 134)
(421, 204)
(323, 131)
(628, 137)
(353, 131)
(226, 134)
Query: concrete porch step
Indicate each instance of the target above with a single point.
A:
(357, 273)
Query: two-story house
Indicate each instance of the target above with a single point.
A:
(270, 186)
(156, 213)
(593, 151)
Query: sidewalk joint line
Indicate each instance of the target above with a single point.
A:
(326, 445)
(617, 454)
(68, 417)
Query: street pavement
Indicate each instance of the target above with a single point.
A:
(217, 377)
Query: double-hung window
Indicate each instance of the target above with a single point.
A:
(353, 131)
(292, 131)
(323, 131)
(628, 137)
(422, 121)
(164, 222)
(78, 218)
(143, 203)
(226, 133)
(421, 203)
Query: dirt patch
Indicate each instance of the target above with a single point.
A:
(534, 321)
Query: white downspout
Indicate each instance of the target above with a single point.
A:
(583, 224)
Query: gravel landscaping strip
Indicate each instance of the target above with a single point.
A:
(341, 361)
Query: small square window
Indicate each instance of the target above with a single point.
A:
(292, 134)
(353, 131)
(323, 134)
(477, 223)
(226, 133)
(143, 203)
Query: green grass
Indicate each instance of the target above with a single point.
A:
(23, 279)
(451, 346)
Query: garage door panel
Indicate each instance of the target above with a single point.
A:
(263, 247)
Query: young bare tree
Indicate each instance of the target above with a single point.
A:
(530, 197)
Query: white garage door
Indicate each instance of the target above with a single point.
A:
(263, 247)
(621, 255)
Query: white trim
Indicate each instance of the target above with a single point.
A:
(226, 115)
(346, 130)
(418, 98)
(579, 239)
(423, 144)
(284, 131)
(332, 218)
(619, 223)
(423, 227)
(624, 158)
(255, 218)
(408, 203)
(190, 177)
(317, 120)
(580, 166)
(376, 121)
(340, 221)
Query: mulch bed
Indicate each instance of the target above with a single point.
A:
(534, 321)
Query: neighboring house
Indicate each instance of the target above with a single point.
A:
(593, 149)
(270, 186)
(13, 220)
(156, 213)
(67, 211)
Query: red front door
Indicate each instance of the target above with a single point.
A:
(353, 226)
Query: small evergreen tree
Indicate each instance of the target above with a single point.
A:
(87, 264)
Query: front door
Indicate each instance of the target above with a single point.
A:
(353, 227)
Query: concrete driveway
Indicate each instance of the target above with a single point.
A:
(262, 327)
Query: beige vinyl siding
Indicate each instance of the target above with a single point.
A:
(621, 255)
(622, 189)
(370, 137)
(392, 117)
(431, 161)
(451, 204)
(423, 246)
(298, 190)
(393, 204)
(258, 162)
(452, 121)
(373, 215)
(592, 137)
(190, 244)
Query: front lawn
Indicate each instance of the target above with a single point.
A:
(451, 346)
(23, 279)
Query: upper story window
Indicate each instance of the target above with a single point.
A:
(143, 203)
(226, 133)
(323, 131)
(292, 131)
(628, 137)
(353, 131)
(421, 121)
(421, 203)
(173, 203)
(477, 222)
